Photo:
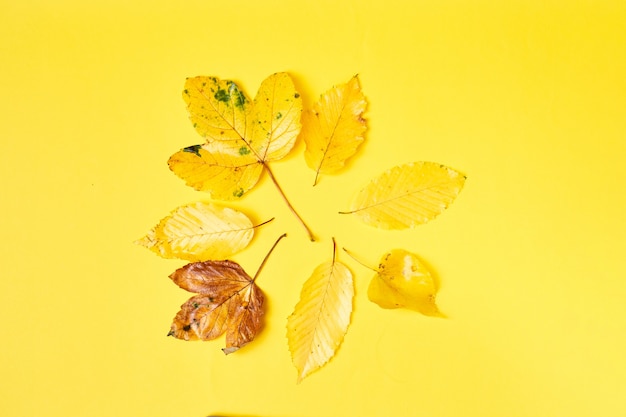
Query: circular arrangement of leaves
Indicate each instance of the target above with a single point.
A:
(242, 137)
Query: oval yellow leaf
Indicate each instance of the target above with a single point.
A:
(199, 232)
(224, 173)
(275, 118)
(321, 318)
(403, 281)
(407, 195)
(333, 129)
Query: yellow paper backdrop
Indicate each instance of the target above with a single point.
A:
(527, 98)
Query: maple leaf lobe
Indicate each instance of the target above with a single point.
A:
(228, 301)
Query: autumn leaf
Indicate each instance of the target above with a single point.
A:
(217, 169)
(333, 129)
(266, 127)
(321, 318)
(200, 231)
(403, 280)
(407, 195)
(227, 301)
(241, 136)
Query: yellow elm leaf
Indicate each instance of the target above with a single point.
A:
(407, 195)
(200, 231)
(217, 108)
(333, 129)
(321, 318)
(403, 281)
(222, 172)
(275, 118)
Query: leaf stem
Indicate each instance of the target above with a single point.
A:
(293, 210)
(264, 223)
(267, 256)
(358, 261)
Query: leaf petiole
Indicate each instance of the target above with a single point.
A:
(267, 256)
(359, 261)
(293, 210)
(264, 223)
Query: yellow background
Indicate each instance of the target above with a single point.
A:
(528, 98)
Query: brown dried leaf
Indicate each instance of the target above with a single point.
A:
(228, 301)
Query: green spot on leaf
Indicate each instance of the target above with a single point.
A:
(195, 149)
(222, 95)
(240, 99)
(238, 193)
(279, 115)
(244, 150)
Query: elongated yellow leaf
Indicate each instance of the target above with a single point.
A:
(199, 232)
(275, 118)
(320, 320)
(333, 129)
(217, 170)
(403, 281)
(407, 195)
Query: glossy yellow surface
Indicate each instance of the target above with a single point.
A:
(403, 281)
(526, 98)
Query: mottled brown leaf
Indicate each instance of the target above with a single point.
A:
(228, 301)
